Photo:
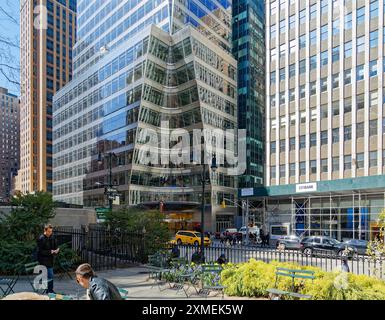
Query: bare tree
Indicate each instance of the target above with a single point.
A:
(9, 44)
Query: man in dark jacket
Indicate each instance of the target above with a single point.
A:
(47, 249)
(99, 289)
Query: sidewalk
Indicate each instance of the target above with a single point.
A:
(133, 279)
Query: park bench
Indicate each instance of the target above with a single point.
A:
(29, 269)
(211, 280)
(293, 274)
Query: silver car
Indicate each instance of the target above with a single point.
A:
(289, 242)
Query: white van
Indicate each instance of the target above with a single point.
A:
(253, 230)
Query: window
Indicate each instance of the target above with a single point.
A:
(336, 108)
(313, 166)
(360, 101)
(302, 66)
(347, 105)
(273, 7)
(302, 142)
(282, 26)
(324, 84)
(347, 162)
(273, 31)
(282, 50)
(292, 70)
(282, 98)
(348, 49)
(292, 22)
(324, 137)
(313, 11)
(292, 144)
(360, 16)
(273, 77)
(373, 39)
(324, 58)
(324, 32)
(272, 100)
(313, 87)
(360, 44)
(360, 160)
(374, 9)
(303, 117)
(302, 16)
(336, 54)
(336, 27)
(282, 145)
(273, 147)
(292, 169)
(273, 124)
(302, 168)
(336, 135)
(348, 77)
(336, 80)
(313, 139)
(348, 21)
(302, 92)
(324, 6)
(273, 172)
(313, 37)
(360, 131)
(324, 111)
(335, 164)
(373, 99)
(324, 165)
(314, 114)
(293, 119)
(282, 74)
(302, 42)
(273, 54)
(283, 122)
(347, 133)
(373, 68)
(360, 72)
(292, 95)
(373, 159)
(373, 127)
(282, 171)
(313, 62)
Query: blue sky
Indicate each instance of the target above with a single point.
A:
(10, 30)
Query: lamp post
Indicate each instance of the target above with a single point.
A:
(204, 181)
(109, 156)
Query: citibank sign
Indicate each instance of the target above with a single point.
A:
(306, 187)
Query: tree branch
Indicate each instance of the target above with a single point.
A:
(12, 19)
(10, 80)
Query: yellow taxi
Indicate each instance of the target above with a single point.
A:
(190, 237)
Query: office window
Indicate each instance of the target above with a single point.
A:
(282, 4)
(347, 162)
(373, 127)
(373, 99)
(292, 169)
(273, 54)
(336, 80)
(302, 142)
(373, 159)
(292, 144)
(293, 119)
(336, 54)
(324, 32)
(313, 62)
(360, 44)
(336, 108)
(282, 171)
(373, 9)
(303, 117)
(292, 70)
(273, 172)
(292, 22)
(282, 50)
(348, 21)
(324, 84)
(336, 135)
(313, 87)
(360, 72)
(273, 77)
(282, 98)
(348, 77)
(324, 137)
(302, 16)
(336, 27)
(360, 16)
(282, 26)
(347, 105)
(273, 100)
(373, 68)
(282, 74)
(273, 7)
(302, 92)
(313, 37)
(324, 165)
(360, 101)
(302, 168)
(324, 6)
(313, 139)
(324, 58)
(302, 42)
(282, 145)
(324, 111)
(293, 46)
(313, 114)
(313, 11)
(360, 131)
(347, 133)
(292, 95)
(360, 160)
(313, 166)
(273, 124)
(348, 49)
(273, 147)
(302, 66)
(336, 164)
(373, 39)
(273, 31)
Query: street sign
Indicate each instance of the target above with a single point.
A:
(110, 190)
(101, 214)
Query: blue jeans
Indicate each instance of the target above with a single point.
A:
(50, 279)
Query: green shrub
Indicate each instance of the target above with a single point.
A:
(253, 278)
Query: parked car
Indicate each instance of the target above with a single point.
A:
(360, 245)
(190, 237)
(253, 230)
(325, 245)
(292, 242)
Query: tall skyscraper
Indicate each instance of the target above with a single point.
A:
(325, 150)
(46, 65)
(9, 142)
(249, 50)
(146, 66)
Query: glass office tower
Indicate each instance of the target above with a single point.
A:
(132, 75)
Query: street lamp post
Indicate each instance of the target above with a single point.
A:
(204, 181)
(110, 156)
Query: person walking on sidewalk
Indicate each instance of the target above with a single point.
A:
(47, 249)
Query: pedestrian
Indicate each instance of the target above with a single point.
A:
(197, 256)
(262, 236)
(267, 238)
(175, 252)
(345, 266)
(222, 259)
(98, 288)
(222, 238)
(47, 249)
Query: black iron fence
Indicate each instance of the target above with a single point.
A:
(101, 247)
(237, 254)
